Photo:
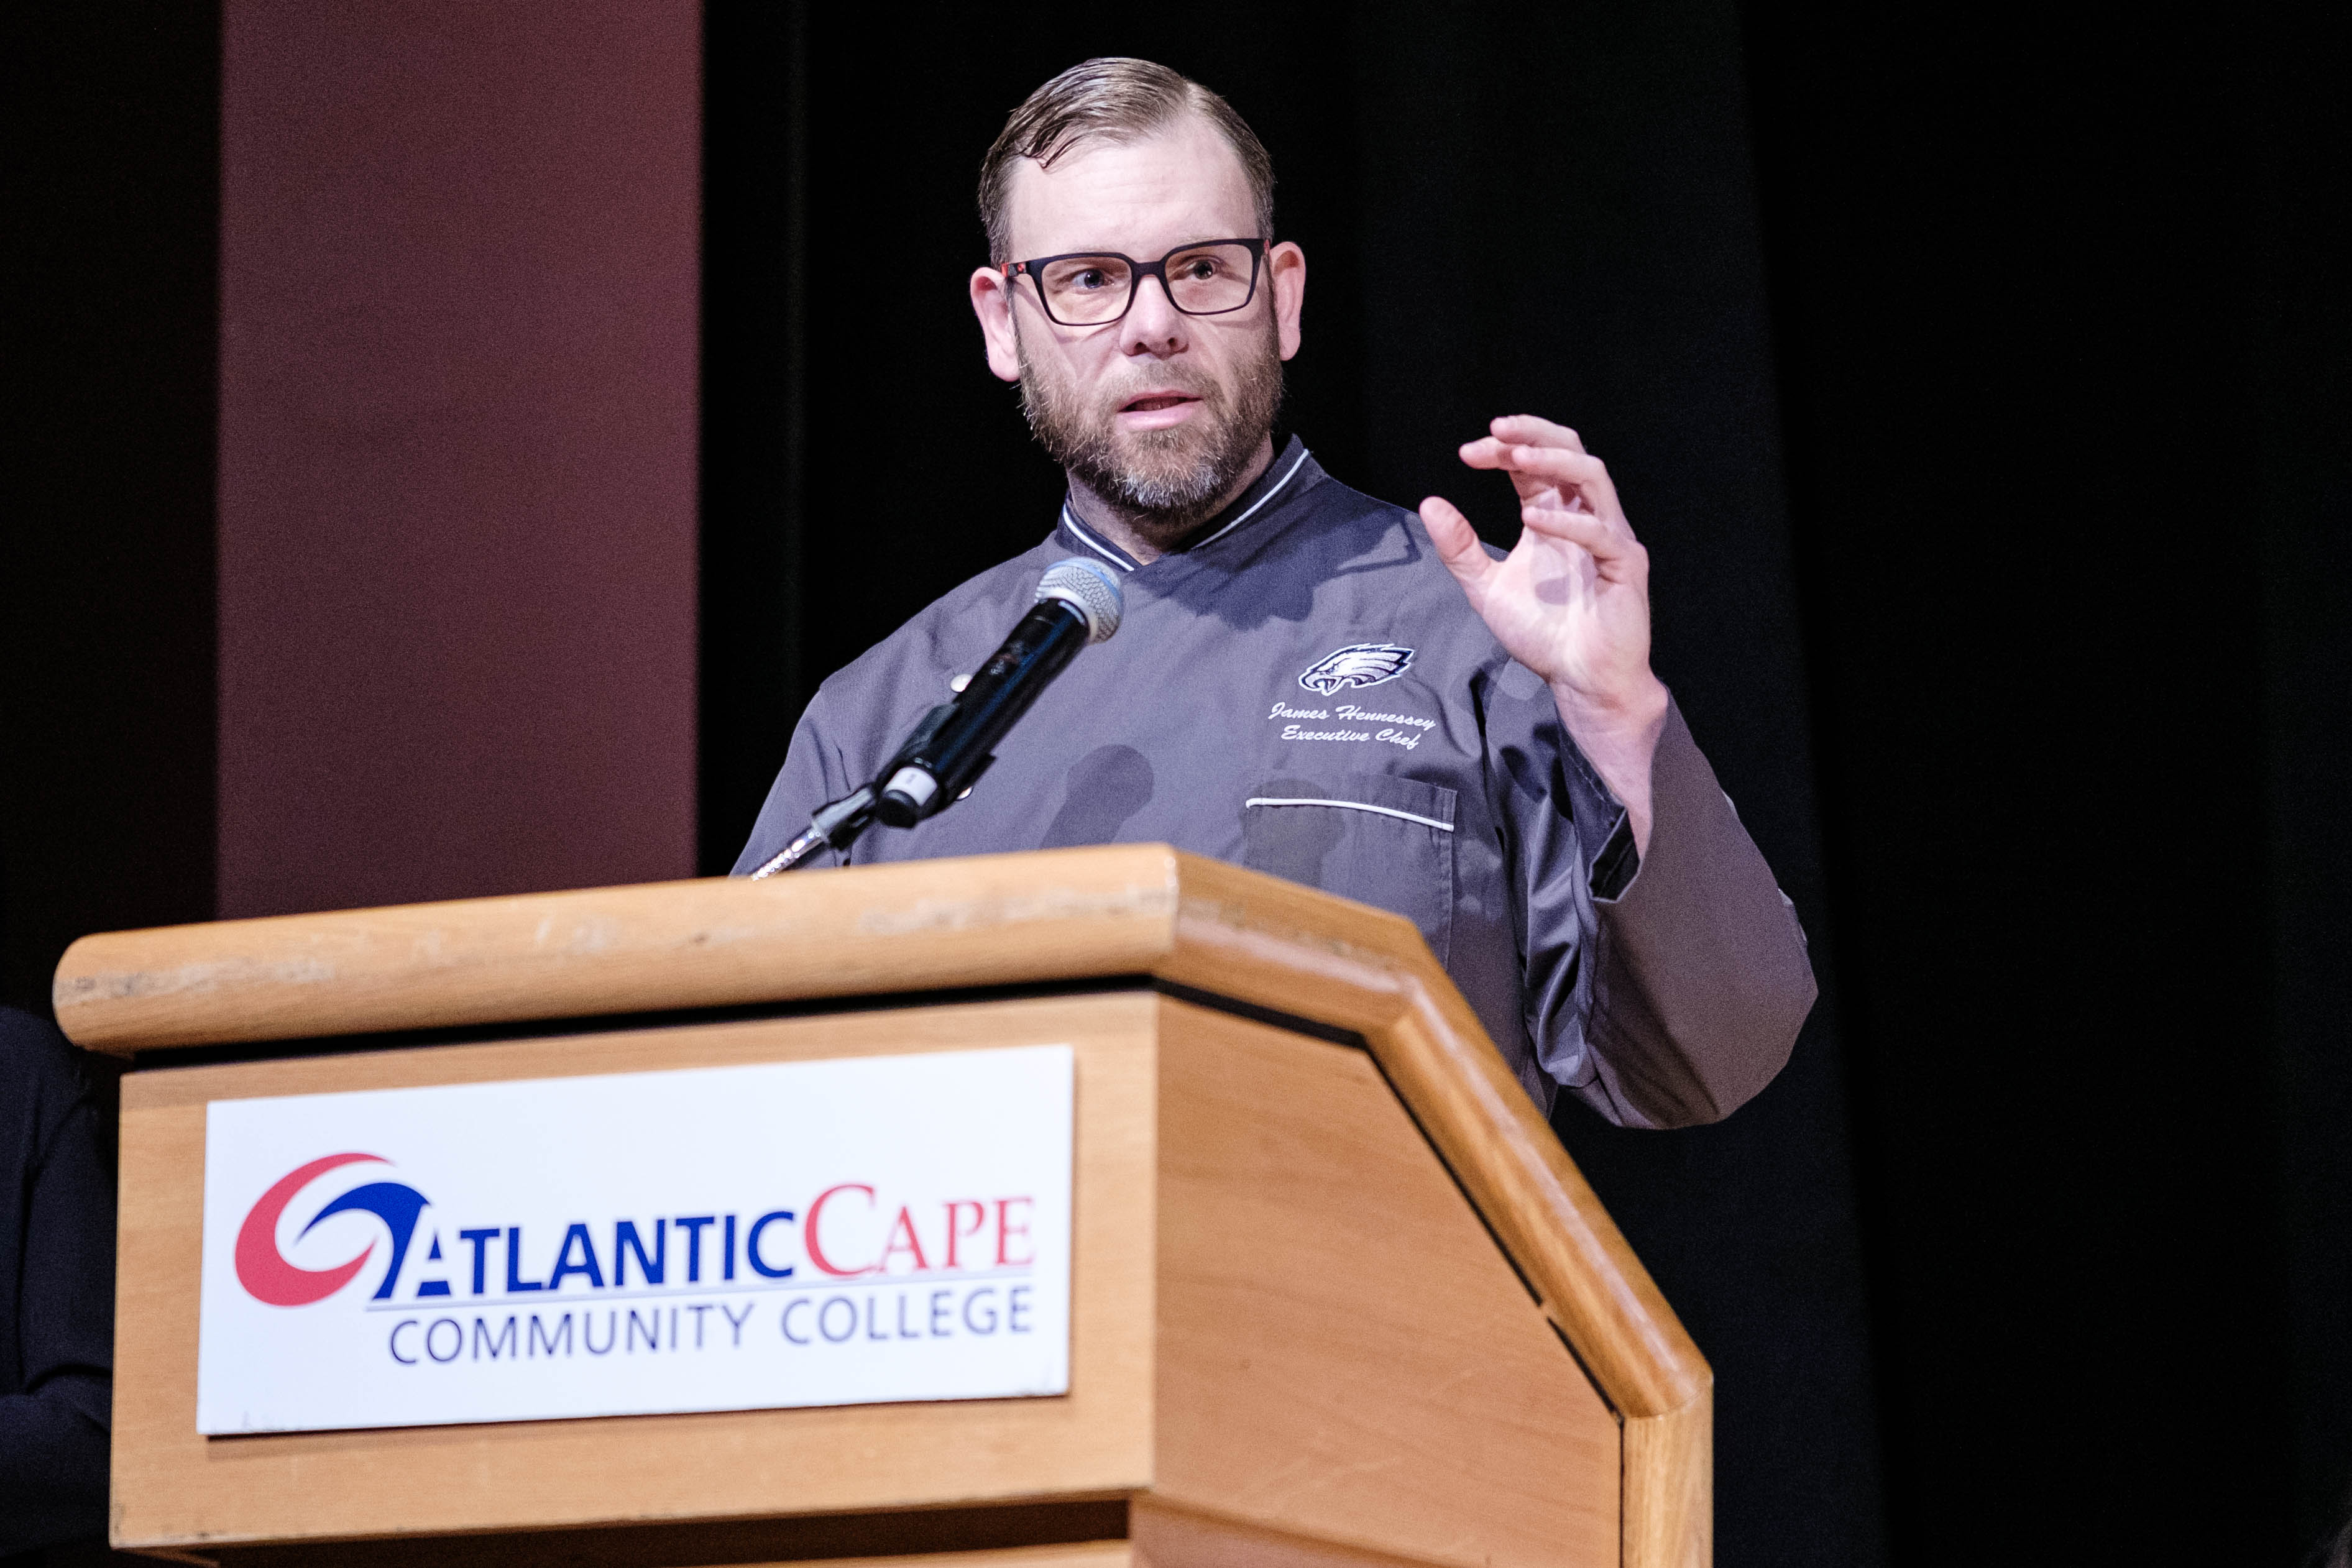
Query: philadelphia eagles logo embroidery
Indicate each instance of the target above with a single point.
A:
(1357, 664)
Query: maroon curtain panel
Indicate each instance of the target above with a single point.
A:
(458, 448)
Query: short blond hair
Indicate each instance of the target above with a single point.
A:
(1113, 98)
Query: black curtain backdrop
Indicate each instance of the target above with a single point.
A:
(2061, 314)
(110, 155)
(1980, 383)
(1978, 386)
(754, 307)
(1563, 221)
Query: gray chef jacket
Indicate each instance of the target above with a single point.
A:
(1306, 691)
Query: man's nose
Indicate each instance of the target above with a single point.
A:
(1152, 324)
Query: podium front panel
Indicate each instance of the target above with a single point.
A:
(1294, 1341)
(176, 1489)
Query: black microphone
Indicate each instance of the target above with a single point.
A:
(1078, 604)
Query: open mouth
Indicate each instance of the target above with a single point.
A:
(1153, 403)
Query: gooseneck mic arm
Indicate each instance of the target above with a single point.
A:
(1078, 604)
(837, 823)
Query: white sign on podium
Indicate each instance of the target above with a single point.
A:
(836, 1232)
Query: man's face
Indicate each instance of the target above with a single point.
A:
(1160, 412)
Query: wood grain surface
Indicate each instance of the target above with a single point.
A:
(1164, 1537)
(1143, 910)
(1670, 1485)
(1088, 1555)
(173, 1487)
(1344, 1355)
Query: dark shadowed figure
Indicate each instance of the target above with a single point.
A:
(56, 1294)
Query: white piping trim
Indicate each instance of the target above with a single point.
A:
(1089, 540)
(1349, 806)
(1261, 501)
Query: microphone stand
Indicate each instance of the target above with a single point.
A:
(1078, 604)
(836, 825)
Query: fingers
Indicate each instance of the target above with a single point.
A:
(1527, 430)
(1613, 549)
(1519, 430)
(1513, 460)
(1575, 472)
(1616, 554)
(1456, 541)
(1486, 451)
(1579, 478)
(1575, 469)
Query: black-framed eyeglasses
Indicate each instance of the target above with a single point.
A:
(1094, 288)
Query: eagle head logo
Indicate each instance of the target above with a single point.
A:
(1356, 664)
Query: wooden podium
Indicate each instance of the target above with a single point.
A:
(1337, 1294)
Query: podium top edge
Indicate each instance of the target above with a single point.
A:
(1041, 917)
(721, 942)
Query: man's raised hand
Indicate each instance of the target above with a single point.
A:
(1572, 602)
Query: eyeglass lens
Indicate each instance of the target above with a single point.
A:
(1202, 281)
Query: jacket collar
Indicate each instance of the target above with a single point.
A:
(1279, 479)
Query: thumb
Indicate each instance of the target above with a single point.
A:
(1456, 541)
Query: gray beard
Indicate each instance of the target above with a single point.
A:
(1164, 480)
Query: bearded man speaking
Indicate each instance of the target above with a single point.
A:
(1308, 681)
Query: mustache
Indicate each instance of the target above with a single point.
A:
(1111, 399)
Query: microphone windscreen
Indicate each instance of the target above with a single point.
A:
(1091, 589)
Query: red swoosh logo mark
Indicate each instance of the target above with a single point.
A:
(263, 1271)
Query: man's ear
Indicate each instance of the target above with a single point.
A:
(1286, 267)
(992, 301)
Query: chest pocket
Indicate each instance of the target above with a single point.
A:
(1379, 840)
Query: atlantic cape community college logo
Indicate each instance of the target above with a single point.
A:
(263, 1269)
(837, 1231)
(854, 1231)
(1357, 664)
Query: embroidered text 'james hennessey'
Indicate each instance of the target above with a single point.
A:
(1303, 691)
